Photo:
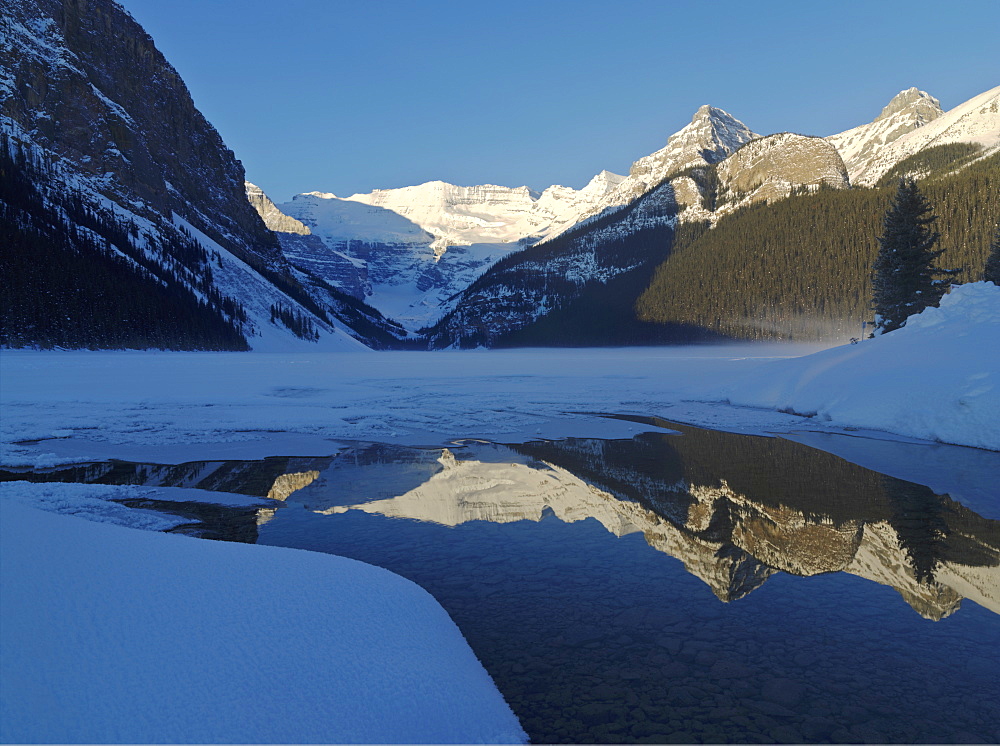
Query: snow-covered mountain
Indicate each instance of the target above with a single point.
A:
(907, 111)
(115, 173)
(415, 248)
(488, 214)
(623, 244)
(407, 251)
(711, 136)
(913, 122)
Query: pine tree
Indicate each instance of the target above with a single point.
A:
(903, 275)
(992, 271)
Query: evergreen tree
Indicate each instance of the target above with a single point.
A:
(903, 275)
(992, 271)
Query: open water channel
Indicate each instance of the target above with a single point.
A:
(670, 588)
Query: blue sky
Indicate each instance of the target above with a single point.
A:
(347, 96)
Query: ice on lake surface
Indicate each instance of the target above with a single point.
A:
(690, 587)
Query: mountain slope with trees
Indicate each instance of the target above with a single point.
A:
(799, 268)
(108, 163)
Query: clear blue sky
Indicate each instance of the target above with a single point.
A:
(349, 95)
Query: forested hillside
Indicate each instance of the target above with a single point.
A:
(76, 276)
(561, 292)
(800, 268)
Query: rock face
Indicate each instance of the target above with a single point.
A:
(913, 122)
(769, 168)
(90, 87)
(273, 218)
(710, 137)
(106, 123)
(907, 111)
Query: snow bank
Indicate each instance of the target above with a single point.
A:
(115, 635)
(937, 378)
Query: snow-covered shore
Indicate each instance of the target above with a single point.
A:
(936, 379)
(113, 635)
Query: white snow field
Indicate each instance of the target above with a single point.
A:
(935, 379)
(138, 636)
(114, 635)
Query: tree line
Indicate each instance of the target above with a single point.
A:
(800, 269)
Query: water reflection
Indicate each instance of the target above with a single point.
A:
(734, 509)
(274, 478)
(596, 639)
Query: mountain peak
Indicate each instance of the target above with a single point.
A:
(605, 179)
(706, 111)
(919, 102)
(712, 135)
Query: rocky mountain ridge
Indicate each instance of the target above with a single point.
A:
(975, 122)
(763, 170)
(711, 136)
(907, 111)
(123, 166)
(106, 133)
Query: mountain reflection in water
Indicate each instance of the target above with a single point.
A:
(594, 639)
(734, 509)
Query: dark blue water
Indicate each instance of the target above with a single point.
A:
(696, 587)
(594, 637)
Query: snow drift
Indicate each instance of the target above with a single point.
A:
(937, 378)
(113, 635)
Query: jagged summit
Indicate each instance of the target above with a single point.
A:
(913, 100)
(911, 122)
(711, 136)
(861, 146)
(605, 177)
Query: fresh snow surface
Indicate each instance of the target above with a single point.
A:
(937, 378)
(114, 635)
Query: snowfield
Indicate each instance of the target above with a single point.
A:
(112, 635)
(937, 378)
(139, 636)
